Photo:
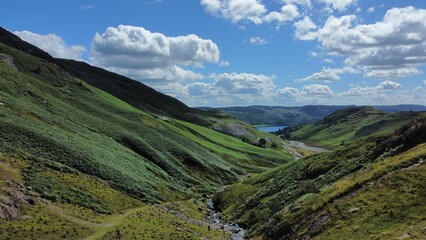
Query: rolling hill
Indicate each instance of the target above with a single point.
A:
(293, 116)
(370, 187)
(73, 155)
(348, 124)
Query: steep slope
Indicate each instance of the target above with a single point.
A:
(371, 187)
(283, 116)
(59, 120)
(293, 116)
(348, 124)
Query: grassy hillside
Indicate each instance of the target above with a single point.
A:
(369, 188)
(76, 161)
(61, 122)
(276, 115)
(349, 124)
(293, 116)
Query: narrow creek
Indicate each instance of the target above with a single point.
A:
(214, 217)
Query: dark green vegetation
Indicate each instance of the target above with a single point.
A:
(348, 124)
(64, 140)
(293, 116)
(371, 187)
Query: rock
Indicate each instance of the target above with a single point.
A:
(295, 208)
(26, 217)
(404, 236)
(8, 60)
(354, 210)
(424, 230)
(319, 222)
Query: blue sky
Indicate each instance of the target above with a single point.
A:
(242, 52)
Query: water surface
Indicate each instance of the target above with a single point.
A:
(270, 128)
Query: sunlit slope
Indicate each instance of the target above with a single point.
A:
(349, 124)
(371, 187)
(59, 121)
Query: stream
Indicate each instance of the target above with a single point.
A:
(213, 217)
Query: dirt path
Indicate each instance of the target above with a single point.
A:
(299, 149)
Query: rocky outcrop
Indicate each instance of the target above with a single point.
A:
(11, 202)
(8, 60)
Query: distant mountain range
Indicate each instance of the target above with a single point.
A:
(292, 116)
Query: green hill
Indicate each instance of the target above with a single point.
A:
(293, 116)
(369, 188)
(348, 124)
(76, 160)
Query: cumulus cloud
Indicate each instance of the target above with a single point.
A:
(229, 89)
(200, 89)
(393, 73)
(340, 5)
(419, 92)
(288, 92)
(139, 53)
(224, 63)
(393, 46)
(288, 13)
(328, 74)
(249, 10)
(53, 44)
(136, 47)
(309, 93)
(243, 83)
(304, 29)
(376, 91)
(235, 10)
(257, 41)
(317, 90)
(304, 3)
(371, 9)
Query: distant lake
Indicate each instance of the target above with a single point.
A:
(270, 128)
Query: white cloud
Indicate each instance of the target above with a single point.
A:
(376, 91)
(53, 44)
(328, 74)
(141, 54)
(257, 41)
(388, 85)
(158, 75)
(235, 10)
(136, 47)
(304, 3)
(419, 92)
(317, 90)
(394, 45)
(424, 82)
(371, 9)
(224, 63)
(200, 89)
(340, 5)
(249, 10)
(288, 92)
(304, 29)
(392, 73)
(243, 83)
(328, 60)
(288, 13)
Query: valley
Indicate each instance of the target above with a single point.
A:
(89, 154)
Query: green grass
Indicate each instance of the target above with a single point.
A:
(283, 203)
(349, 124)
(55, 220)
(58, 121)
